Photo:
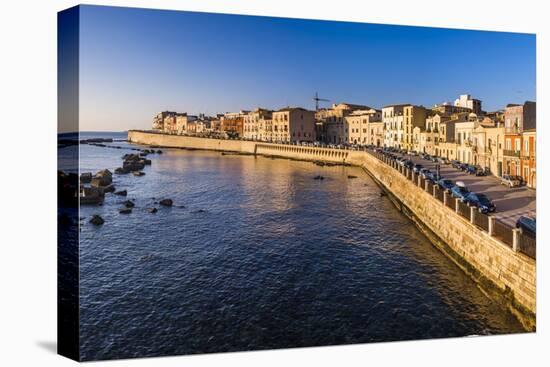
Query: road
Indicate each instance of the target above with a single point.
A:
(511, 203)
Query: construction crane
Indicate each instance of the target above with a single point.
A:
(317, 99)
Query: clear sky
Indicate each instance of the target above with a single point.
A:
(137, 62)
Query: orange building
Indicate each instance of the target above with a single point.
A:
(517, 119)
(232, 123)
(528, 158)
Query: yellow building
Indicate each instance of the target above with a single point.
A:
(489, 147)
(293, 124)
(358, 126)
(399, 123)
(254, 125)
(332, 121)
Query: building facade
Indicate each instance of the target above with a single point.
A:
(517, 119)
(357, 126)
(465, 100)
(293, 124)
(528, 158)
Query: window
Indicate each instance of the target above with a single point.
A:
(518, 145)
(508, 144)
(526, 146)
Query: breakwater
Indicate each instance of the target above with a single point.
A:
(493, 264)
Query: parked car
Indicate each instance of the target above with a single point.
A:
(460, 191)
(456, 164)
(480, 171)
(446, 184)
(527, 225)
(408, 164)
(521, 181)
(481, 201)
(510, 181)
(463, 166)
(424, 172)
(412, 152)
(416, 168)
(471, 170)
(433, 177)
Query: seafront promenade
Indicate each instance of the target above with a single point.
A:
(493, 253)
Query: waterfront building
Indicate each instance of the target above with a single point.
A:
(376, 135)
(254, 124)
(517, 118)
(428, 140)
(330, 122)
(528, 158)
(232, 123)
(465, 100)
(169, 124)
(158, 120)
(357, 127)
(293, 124)
(392, 117)
(448, 109)
(182, 121)
(399, 123)
(488, 139)
(464, 139)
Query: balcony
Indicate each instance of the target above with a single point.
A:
(511, 153)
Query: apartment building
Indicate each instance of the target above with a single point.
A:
(517, 118)
(158, 120)
(528, 158)
(254, 124)
(357, 126)
(330, 122)
(293, 124)
(465, 100)
(232, 123)
(399, 123)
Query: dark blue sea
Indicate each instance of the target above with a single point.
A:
(255, 254)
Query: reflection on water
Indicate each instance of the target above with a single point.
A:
(256, 254)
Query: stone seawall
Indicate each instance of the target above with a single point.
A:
(492, 264)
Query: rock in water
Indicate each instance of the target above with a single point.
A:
(128, 204)
(166, 202)
(86, 177)
(97, 220)
(125, 211)
(109, 188)
(121, 193)
(121, 171)
(152, 210)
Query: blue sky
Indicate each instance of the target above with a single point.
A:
(136, 62)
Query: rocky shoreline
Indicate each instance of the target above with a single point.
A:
(93, 188)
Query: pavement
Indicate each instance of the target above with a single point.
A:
(511, 203)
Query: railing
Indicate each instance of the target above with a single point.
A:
(506, 234)
(481, 220)
(463, 209)
(439, 194)
(511, 153)
(528, 245)
(503, 232)
(429, 187)
(450, 202)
